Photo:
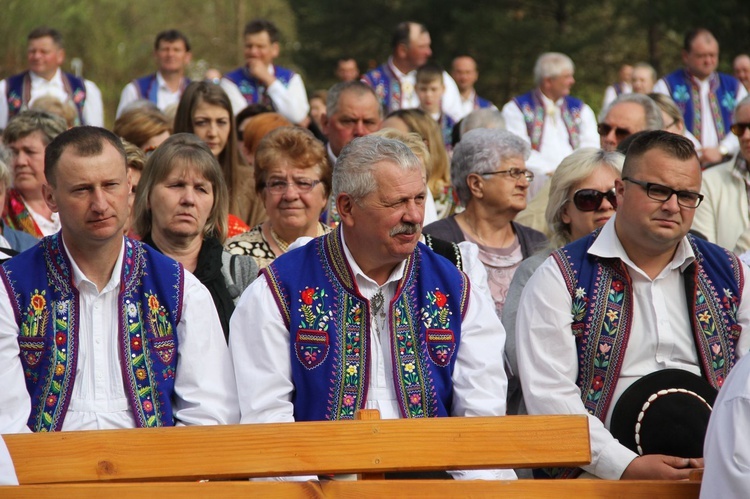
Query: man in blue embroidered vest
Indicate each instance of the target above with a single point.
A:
(705, 97)
(98, 330)
(394, 81)
(548, 118)
(637, 297)
(45, 55)
(628, 114)
(260, 81)
(164, 88)
(464, 72)
(366, 317)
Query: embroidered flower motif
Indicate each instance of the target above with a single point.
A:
(135, 343)
(348, 400)
(60, 339)
(153, 303)
(617, 286)
(580, 292)
(440, 299)
(415, 398)
(38, 302)
(158, 318)
(310, 357)
(140, 374)
(409, 367)
(168, 373)
(597, 384)
(351, 370)
(148, 406)
(61, 307)
(307, 296)
(705, 317)
(132, 310)
(59, 370)
(51, 400)
(605, 348)
(681, 94)
(612, 315)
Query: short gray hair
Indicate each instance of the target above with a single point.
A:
(27, 122)
(551, 64)
(654, 120)
(482, 118)
(356, 87)
(744, 102)
(4, 175)
(353, 173)
(573, 169)
(482, 151)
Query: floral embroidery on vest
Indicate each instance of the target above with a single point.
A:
(312, 342)
(441, 342)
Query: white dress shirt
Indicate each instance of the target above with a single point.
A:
(46, 226)
(451, 102)
(708, 127)
(467, 106)
(204, 388)
(93, 109)
(555, 144)
(610, 94)
(165, 97)
(727, 449)
(660, 338)
(260, 346)
(290, 102)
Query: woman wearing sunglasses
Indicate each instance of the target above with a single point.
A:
(581, 199)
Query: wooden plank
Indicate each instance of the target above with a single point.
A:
(168, 490)
(528, 489)
(368, 415)
(282, 449)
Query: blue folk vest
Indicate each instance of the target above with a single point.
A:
(251, 89)
(387, 87)
(45, 301)
(602, 311)
(722, 97)
(481, 103)
(148, 87)
(18, 93)
(329, 326)
(532, 107)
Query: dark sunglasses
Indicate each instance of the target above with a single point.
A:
(591, 199)
(739, 128)
(620, 133)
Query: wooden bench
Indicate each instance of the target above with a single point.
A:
(171, 461)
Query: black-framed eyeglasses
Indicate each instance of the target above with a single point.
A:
(620, 133)
(278, 186)
(739, 128)
(591, 199)
(658, 192)
(514, 173)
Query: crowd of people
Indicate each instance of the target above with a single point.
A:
(238, 251)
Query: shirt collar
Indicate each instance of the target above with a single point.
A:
(79, 276)
(608, 245)
(56, 78)
(395, 276)
(740, 169)
(549, 103)
(395, 70)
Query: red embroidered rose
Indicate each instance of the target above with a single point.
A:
(440, 299)
(148, 406)
(135, 343)
(51, 400)
(38, 302)
(617, 286)
(598, 383)
(153, 303)
(719, 381)
(60, 339)
(307, 296)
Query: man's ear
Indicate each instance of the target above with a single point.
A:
(49, 197)
(345, 206)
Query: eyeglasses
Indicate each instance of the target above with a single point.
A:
(658, 192)
(280, 186)
(620, 133)
(739, 128)
(514, 173)
(591, 199)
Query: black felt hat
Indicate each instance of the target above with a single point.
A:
(665, 412)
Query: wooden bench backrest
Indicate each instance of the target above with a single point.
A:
(240, 451)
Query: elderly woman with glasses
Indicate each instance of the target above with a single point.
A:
(181, 206)
(581, 199)
(293, 178)
(489, 174)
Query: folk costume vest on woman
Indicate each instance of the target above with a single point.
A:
(329, 325)
(18, 93)
(532, 107)
(602, 311)
(722, 97)
(254, 91)
(41, 289)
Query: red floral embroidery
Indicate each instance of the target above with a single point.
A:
(348, 400)
(135, 343)
(440, 299)
(51, 400)
(60, 339)
(153, 303)
(38, 302)
(617, 286)
(598, 383)
(307, 296)
(148, 406)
